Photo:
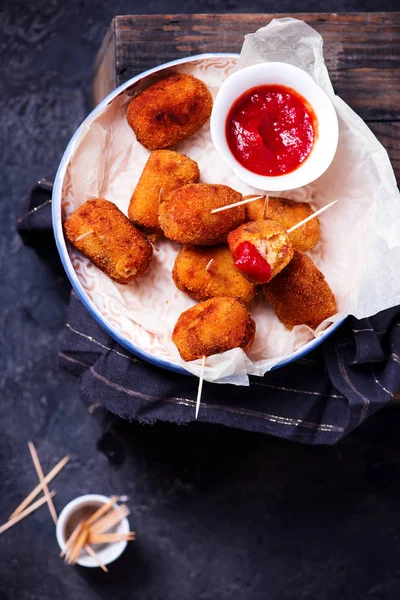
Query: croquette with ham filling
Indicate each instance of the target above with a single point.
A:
(164, 172)
(256, 242)
(100, 231)
(214, 326)
(191, 275)
(169, 111)
(185, 215)
(300, 294)
(287, 213)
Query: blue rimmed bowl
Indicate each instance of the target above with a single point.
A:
(64, 250)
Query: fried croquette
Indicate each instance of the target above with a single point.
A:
(212, 327)
(287, 213)
(300, 294)
(204, 273)
(185, 215)
(100, 231)
(169, 111)
(164, 172)
(260, 249)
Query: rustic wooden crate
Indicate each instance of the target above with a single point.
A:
(362, 53)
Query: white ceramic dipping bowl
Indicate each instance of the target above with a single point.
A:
(276, 73)
(69, 518)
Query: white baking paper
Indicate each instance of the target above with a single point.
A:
(359, 251)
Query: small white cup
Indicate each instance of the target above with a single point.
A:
(276, 73)
(69, 519)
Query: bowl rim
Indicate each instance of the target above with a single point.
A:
(247, 79)
(62, 245)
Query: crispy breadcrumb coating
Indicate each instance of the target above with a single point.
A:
(185, 215)
(169, 111)
(100, 231)
(164, 172)
(300, 294)
(212, 327)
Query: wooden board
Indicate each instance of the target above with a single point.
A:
(362, 53)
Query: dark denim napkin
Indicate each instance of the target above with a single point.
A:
(317, 400)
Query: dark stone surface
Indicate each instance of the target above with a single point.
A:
(219, 513)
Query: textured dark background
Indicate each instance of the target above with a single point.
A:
(219, 513)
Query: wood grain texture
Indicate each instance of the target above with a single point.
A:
(362, 53)
(361, 50)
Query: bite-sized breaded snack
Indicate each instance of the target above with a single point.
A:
(185, 215)
(287, 213)
(212, 327)
(165, 171)
(106, 236)
(169, 111)
(300, 294)
(221, 278)
(260, 249)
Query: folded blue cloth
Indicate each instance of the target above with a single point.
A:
(317, 400)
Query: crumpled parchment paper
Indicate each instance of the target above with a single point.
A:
(359, 251)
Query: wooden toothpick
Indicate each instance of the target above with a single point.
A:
(216, 210)
(265, 205)
(304, 221)
(200, 388)
(93, 554)
(55, 470)
(41, 476)
(210, 262)
(25, 513)
(84, 235)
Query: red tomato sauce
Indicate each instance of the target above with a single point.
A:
(271, 130)
(251, 263)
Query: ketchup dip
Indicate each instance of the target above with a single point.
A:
(271, 130)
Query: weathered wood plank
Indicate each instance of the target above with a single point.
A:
(361, 50)
(105, 77)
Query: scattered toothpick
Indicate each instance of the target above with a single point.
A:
(304, 221)
(200, 388)
(246, 201)
(25, 513)
(41, 476)
(84, 235)
(55, 470)
(160, 196)
(210, 262)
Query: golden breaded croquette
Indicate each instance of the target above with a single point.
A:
(212, 327)
(169, 111)
(164, 171)
(260, 249)
(185, 215)
(191, 275)
(100, 231)
(287, 213)
(300, 294)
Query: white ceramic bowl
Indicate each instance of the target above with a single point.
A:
(69, 519)
(275, 73)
